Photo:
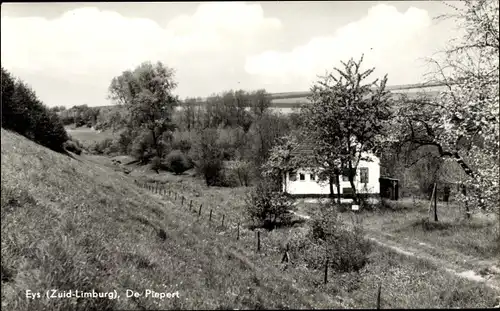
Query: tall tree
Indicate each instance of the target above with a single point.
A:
(147, 94)
(347, 119)
(462, 123)
(280, 159)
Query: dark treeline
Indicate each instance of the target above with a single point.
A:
(24, 113)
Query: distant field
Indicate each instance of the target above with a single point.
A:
(88, 136)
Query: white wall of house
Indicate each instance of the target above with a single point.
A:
(308, 186)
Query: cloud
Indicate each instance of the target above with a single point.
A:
(392, 42)
(90, 46)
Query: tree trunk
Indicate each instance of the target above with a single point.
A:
(155, 143)
(337, 180)
(239, 176)
(351, 181)
(470, 173)
(435, 203)
(464, 192)
(330, 180)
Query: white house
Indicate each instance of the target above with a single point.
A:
(303, 182)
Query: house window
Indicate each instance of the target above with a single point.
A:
(302, 176)
(345, 175)
(363, 175)
(293, 176)
(313, 177)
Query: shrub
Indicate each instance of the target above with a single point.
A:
(156, 163)
(346, 249)
(125, 140)
(229, 178)
(72, 146)
(243, 172)
(177, 162)
(267, 207)
(183, 145)
(102, 147)
(208, 158)
(142, 147)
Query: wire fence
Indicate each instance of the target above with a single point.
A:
(221, 223)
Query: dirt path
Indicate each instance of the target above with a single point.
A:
(472, 268)
(460, 265)
(456, 263)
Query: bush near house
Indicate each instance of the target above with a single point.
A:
(346, 249)
(177, 162)
(267, 207)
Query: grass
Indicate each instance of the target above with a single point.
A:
(87, 136)
(75, 224)
(70, 224)
(431, 288)
(406, 281)
(474, 237)
(407, 219)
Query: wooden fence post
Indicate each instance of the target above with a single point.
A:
(258, 241)
(286, 256)
(223, 220)
(199, 210)
(378, 295)
(432, 197)
(238, 234)
(210, 218)
(326, 271)
(435, 203)
(182, 200)
(190, 204)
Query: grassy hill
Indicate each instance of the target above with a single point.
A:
(75, 224)
(71, 224)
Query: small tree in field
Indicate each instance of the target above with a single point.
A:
(268, 207)
(208, 157)
(346, 119)
(280, 160)
(462, 123)
(177, 162)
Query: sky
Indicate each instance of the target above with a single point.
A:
(69, 52)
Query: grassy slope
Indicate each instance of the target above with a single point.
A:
(69, 224)
(101, 231)
(476, 237)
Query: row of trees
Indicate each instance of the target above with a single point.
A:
(24, 113)
(233, 127)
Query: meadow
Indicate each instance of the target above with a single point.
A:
(103, 230)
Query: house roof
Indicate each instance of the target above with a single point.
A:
(305, 152)
(304, 149)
